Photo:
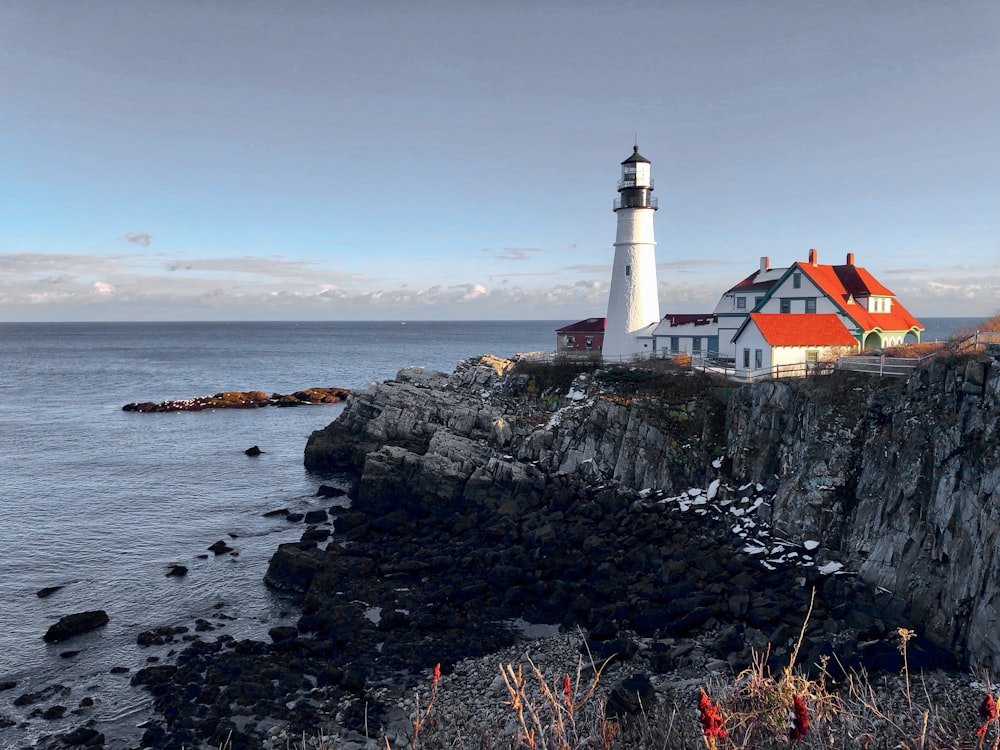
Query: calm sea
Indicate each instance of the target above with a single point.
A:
(101, 502)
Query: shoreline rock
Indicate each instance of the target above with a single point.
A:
(243, 400)
(75, 624)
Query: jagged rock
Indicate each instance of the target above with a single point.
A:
(220, 548)
(283, 633)
(161, 635)
(314, 535)
(326, 490)
(631, 696)
(316, 516)
(76, 624)
(243, 400)
(293, 567)
(896, 476)
(84, 736)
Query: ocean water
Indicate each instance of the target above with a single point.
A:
(101, 502)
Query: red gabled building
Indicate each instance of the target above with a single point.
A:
(582, 337)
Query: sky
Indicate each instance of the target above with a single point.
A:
(384, 160)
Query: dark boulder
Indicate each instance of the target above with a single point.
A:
(326, 490)
(177, 571)
(632, 696)
(316, 516)
(83, 737)
(283, 633)
(159, 636)
(75, 624)
(48, 591)
(292, 567)
(253, 450)
(54, 712)
(220, 548)
(312, 534)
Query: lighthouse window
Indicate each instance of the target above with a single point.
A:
(628, 270)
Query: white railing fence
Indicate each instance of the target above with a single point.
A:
(872, 364)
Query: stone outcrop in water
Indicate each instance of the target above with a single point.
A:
(243, 400)
(75, 624)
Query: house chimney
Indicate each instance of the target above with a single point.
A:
(812, 257)
(850, 259)
(765, 263)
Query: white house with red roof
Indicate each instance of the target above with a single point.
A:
(807, 312)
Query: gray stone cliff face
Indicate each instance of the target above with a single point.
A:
(896, 478)
(902, 478)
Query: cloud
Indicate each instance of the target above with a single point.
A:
(311, 272)
(138, 286)
(513, 253)
(139, 238)
(524, 274)
(686, 264)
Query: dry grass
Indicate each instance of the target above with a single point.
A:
(758, 710)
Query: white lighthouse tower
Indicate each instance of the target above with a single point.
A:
(633, 303)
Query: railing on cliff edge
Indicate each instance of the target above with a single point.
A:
(978, 340)
(872, 364)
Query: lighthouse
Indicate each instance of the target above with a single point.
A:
(633, 302)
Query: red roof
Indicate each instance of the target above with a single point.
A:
(845, 283)
(784, 329)
(683, 319)
(750, 284)
(590, 325)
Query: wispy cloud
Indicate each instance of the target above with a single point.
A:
(691, 264)
(513, 253)
(598, 269)
(139, 238)
(142, 286)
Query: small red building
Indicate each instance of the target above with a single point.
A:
(582, 337)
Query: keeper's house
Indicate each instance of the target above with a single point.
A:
(807, 312)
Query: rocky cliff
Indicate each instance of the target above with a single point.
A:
(899, 477)
(893, 478)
